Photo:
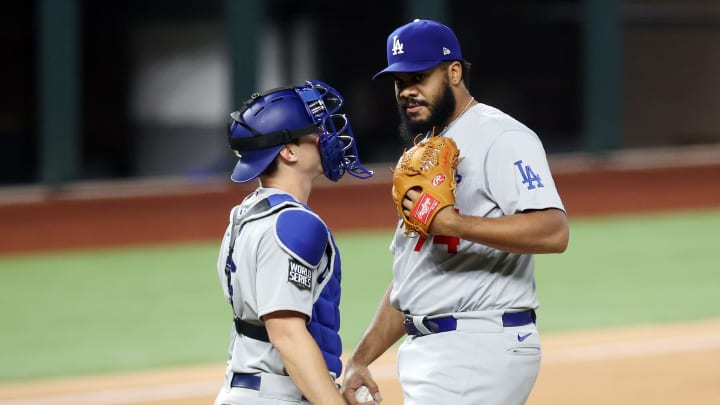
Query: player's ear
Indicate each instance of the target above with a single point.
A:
(287, 153)
(455, 72)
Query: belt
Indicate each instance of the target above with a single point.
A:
(449, 323)
(249, 381)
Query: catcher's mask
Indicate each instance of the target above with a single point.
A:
(270, 120)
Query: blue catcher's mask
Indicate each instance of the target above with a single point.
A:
(272, 119)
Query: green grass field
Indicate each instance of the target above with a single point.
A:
(84, 312)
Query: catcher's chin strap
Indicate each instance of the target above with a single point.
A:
(250, 330)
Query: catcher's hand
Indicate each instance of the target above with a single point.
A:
(430, 167)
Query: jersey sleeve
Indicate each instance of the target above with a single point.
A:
(518, 174)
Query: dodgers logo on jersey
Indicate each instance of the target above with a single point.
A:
(528, 175)
(299, 275)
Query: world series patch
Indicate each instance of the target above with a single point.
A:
(299, 275)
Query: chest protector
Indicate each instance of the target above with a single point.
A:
(306, 238)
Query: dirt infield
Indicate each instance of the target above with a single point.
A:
(666, 365)
(649, 365)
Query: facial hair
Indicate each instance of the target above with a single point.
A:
(440, 113)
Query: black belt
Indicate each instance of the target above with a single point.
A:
(448, 323)
(257, 332)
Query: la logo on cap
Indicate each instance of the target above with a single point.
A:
(397, 47)
(424, 44)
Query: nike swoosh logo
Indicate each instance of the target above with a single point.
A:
(521, 338)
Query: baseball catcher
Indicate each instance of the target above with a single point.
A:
(429, 167)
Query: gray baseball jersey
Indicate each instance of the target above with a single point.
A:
(503, 170)
(269, 278)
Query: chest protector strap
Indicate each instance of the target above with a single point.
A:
(250, 330)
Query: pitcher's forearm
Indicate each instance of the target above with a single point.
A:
(384, 330)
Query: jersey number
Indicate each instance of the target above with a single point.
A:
(452, 242)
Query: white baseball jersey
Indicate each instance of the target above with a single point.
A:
(503, 170)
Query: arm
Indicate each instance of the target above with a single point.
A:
(536, 231)
(384, 330)
(301, 356)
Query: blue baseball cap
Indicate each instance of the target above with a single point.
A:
(418, 46)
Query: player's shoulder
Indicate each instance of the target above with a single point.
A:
(493, 118)
(499, 128)
(302, 233)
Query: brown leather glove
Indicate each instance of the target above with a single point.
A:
(429, 167)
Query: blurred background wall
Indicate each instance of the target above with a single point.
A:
(111, 89)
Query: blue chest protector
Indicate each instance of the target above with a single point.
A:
(307, 239)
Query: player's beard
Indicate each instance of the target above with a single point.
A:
(440, 112)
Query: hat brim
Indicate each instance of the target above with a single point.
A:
(253, 163)
(407, 67)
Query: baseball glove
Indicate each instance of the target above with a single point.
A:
(430, 167)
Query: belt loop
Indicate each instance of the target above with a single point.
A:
(417, 320)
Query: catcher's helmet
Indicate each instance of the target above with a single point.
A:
(269, 120)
